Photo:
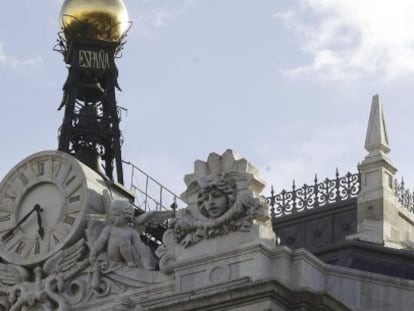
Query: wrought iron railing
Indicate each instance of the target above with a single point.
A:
(404, 195)
(150, 194)
(318, 195)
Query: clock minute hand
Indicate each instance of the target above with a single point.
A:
(9, 233)
(41, 231)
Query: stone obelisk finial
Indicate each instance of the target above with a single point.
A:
(377, 210)
(376, 141)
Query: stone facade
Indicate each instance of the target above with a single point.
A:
(220, 252)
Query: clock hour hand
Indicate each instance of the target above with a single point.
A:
(10, 233)
(39, 210)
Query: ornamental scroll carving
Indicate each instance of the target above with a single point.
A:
(45, 285)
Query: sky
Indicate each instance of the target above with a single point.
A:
(286, 84)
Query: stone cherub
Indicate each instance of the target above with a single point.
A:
(117, 241)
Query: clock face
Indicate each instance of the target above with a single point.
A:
(42, 206)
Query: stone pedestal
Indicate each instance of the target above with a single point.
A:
(223, 259)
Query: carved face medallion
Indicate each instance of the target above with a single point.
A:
(214, 204)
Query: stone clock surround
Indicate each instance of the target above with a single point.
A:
(68, 193)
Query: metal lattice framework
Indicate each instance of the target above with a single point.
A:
(405, 196)
(318, 195)
(90, 127)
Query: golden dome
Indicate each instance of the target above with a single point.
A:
(105, 20)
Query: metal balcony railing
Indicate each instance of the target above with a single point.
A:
(317, 195)
(150, 195)
(404, 195)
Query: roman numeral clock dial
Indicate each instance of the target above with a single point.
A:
(42, 207)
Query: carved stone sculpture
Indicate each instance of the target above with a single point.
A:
(45, 263)
(224, 203)
(47, 291)
(119, 242)
(222, 196)
(115, 244)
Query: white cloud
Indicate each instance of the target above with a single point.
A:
(16, 63)
(160, 16)
(350, 39)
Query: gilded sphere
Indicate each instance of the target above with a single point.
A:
(105, 20)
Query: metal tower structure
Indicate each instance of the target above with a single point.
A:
(90, 128)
